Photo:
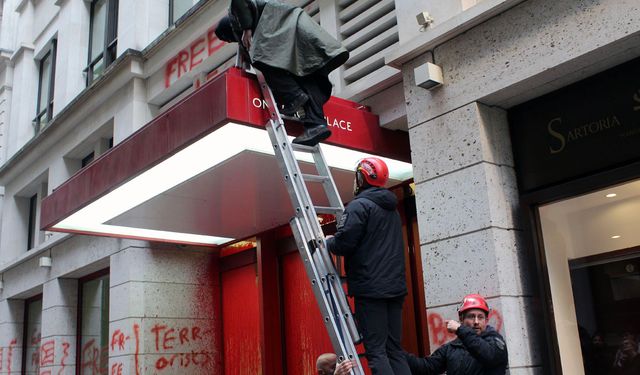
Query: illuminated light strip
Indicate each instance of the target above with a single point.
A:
(204, 154)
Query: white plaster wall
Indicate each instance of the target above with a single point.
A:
(6, 93)
(72, 26)
(44, 13)
(8, 29)
(140, 22)
(13, 241)
(439, 10)
(20, 129)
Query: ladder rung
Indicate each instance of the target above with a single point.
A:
(303, 148)
(315, 178)
(328, 210)
(290, 118)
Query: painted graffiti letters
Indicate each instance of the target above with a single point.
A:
(65, 355)
(184, 360)
(47, 353)
(170, 335)
(188, 340)
(12, 344)
(116, 369)
(43, 355)
(192, 56)
(94, 359)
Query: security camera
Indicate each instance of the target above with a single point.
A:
(424, 19)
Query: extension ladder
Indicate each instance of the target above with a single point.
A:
(325, 281)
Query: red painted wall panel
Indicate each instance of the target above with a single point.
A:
(241, 321)
(305, 334)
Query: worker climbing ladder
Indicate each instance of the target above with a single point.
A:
(325, 281)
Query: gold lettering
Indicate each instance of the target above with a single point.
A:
(556, 135)
(616, 122)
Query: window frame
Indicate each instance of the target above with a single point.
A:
(172, 19)
(87, 159)
(108, 51)
(47, 111)
(81, 281)
(32, 232)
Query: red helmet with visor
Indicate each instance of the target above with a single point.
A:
(473, 301)
(374, 171)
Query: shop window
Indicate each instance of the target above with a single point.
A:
(32, 335)
(87, 159)
(592, 255)
(93, 323)
(46, 80)
(178, 8)
(103, 37)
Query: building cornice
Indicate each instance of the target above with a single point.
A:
(21, 50)
(433, 37)
(20, 6)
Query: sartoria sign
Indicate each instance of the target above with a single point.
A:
(584, 128)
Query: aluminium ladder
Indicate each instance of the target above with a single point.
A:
(325, 281)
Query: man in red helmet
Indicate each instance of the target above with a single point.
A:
(369, 236)
(478, 349)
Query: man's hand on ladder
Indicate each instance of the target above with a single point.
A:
(246, 39)
(344, 368)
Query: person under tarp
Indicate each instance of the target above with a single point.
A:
(293, 52)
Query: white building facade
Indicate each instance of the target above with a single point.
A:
(78, 77)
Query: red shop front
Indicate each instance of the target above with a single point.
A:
(203, 173)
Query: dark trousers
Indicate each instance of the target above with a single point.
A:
(380, 321)
(287, 88)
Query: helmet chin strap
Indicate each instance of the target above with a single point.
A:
(358, 182)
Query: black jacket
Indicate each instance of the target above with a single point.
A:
(469, 354)
(369, 237)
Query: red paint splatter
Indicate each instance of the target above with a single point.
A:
(118, 338)
(11, 345)
(47, 353)
(438, 329)
(116, 369)
(65, 354)
(136, 332)
(90, 356)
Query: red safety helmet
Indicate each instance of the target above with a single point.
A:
(473, 301)
(374, 171)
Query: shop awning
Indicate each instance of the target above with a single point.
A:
(204, 172)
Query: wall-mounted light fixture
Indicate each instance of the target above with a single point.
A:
(428, 76)
(45, 261)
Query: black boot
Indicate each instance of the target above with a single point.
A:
(295, 107)
(312, 135)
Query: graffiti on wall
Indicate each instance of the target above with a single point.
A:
(43, 355)
(190, 57)
(438, 334)
(7, 351)
(189, 341)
